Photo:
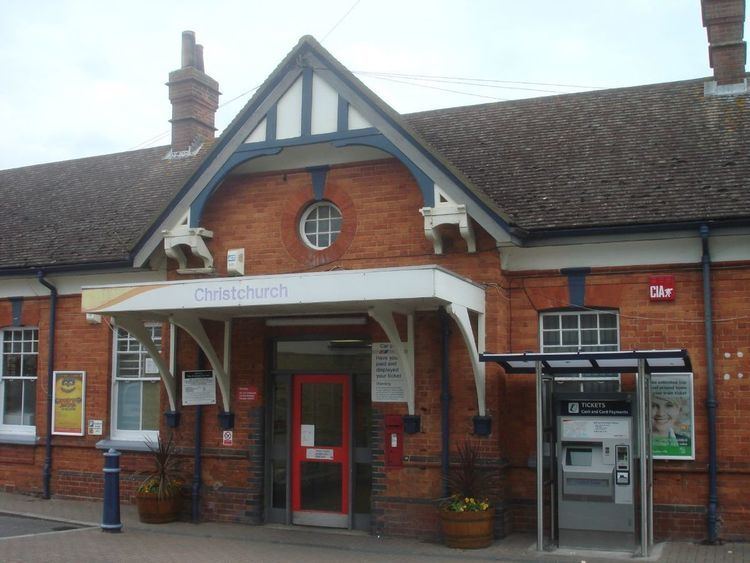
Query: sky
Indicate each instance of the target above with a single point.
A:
(82, 78)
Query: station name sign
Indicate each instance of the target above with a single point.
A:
(210, 294)
(596, 408)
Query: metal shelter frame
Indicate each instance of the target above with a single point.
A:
(643, 363)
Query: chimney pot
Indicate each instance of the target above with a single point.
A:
(188, 49)
(199, 57)
(194, 96)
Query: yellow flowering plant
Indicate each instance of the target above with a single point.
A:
(457, 503)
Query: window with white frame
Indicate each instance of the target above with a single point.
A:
(135, 389)
(588, 331)
(20, 349)
(320, 225)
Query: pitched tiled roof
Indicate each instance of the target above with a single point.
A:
(647, 155)
(633, 156)
(88, 210)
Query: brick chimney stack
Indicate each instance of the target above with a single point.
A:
(194, 96)
(724, 22)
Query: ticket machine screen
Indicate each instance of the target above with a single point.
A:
(578, 457)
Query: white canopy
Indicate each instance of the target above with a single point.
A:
(381, 293)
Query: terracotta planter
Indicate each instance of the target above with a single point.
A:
(468, 530)
(152, 510)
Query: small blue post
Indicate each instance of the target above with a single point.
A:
(111, 513)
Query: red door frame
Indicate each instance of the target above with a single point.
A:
(341, 453)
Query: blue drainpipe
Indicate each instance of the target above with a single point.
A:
(47, 469)
(711, 403)
(445, 399)
(195, 509)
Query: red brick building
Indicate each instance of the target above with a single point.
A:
(323, 239)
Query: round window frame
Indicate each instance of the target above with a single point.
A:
(304, 216)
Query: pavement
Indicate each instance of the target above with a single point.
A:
(58, 530)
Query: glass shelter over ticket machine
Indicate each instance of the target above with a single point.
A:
(594, 474)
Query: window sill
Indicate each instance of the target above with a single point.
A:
(21, 439)
(123, 445)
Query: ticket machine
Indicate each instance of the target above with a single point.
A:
(595, 470)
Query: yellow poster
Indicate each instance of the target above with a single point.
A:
(69, 402)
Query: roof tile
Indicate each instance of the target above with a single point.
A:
(647, 155)
(88, 210)
(630, 156)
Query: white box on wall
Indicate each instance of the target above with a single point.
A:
(236, 261)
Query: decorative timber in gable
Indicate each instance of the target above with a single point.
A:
(313, 113)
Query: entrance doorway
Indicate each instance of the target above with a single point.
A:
(320, 450)
(319, 437)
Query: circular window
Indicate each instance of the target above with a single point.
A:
(320, 225)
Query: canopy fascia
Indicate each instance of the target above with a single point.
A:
(410, 288)
(379, 292)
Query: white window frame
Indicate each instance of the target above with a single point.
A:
(332, 234)
(27, 429)
(131, 435)
(574, 348)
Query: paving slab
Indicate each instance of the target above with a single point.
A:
(208, 542)
(14, 526)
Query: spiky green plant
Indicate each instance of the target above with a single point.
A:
(469, 484)
(163, 481)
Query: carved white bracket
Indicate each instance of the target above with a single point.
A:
(447, 213)
(194, 327)
(404, 351)
(138, 330)
(193, 238)
(460, 314)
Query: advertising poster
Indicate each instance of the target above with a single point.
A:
(672, 418)
(69, 403)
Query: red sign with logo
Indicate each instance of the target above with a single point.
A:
(247, 393)
(661, 288)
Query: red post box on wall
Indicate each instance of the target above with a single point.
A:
(394, 440)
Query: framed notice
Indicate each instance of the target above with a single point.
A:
(387, 380)
(247, 393)
(672, 416)
(68, 403)
(198, 387)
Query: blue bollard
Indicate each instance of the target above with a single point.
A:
(111, 513)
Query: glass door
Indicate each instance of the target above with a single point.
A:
(321, 450)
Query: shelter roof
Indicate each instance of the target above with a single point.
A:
(562, 363)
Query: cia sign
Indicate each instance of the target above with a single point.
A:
(661, 288)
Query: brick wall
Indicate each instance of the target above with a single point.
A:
(383, 228)
(681, 487)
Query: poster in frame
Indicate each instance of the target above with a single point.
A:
(672, 416)
(68, 403)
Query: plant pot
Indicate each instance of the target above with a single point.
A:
(153, 510)
(468, 530)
